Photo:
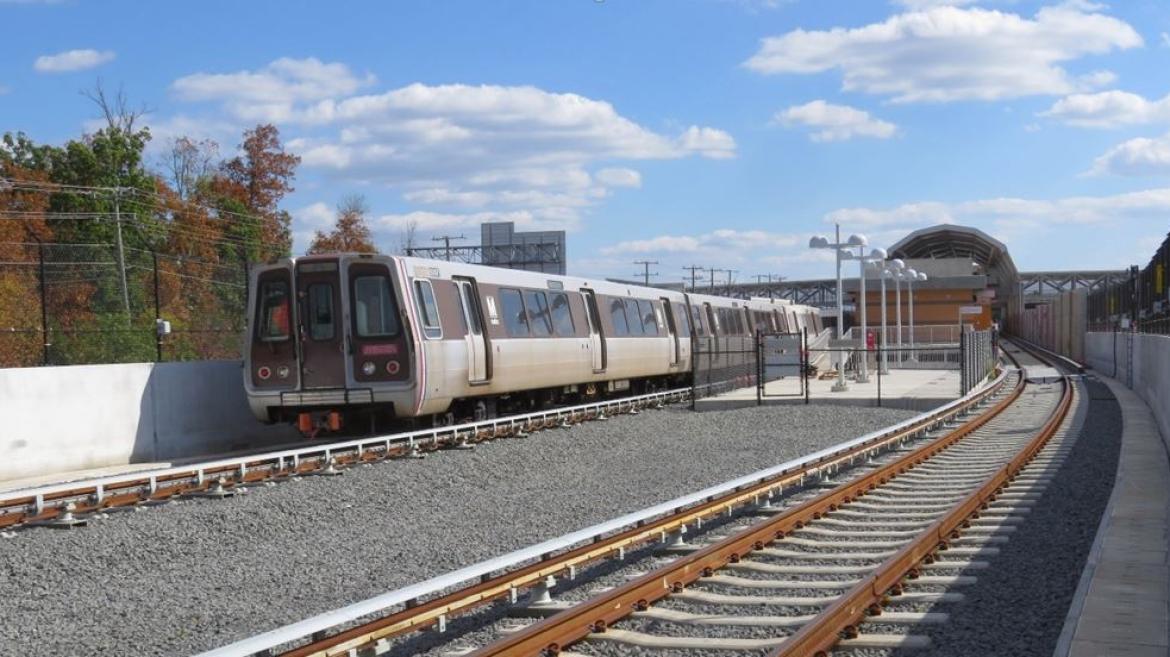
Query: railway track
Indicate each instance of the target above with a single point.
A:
(879, 532)
(854, 567)
(73, 503)
(437, 602)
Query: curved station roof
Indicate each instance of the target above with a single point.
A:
(954, 241)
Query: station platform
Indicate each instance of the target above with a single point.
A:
(916, 390)
(1122, 604)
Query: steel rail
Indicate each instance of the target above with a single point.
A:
(567, 552)
(1067, 362)
(867, 597)
(40, 503)
(548, 637)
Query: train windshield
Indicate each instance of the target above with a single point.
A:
(274, 311)
(375, 312)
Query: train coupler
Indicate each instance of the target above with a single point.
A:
(312, 423)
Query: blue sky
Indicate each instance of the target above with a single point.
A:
(710, 132)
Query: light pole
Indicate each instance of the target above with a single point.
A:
(896, 267)
(875, 255)
(914, 276)
(884, 272)
(819, 242)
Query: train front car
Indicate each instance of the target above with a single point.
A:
(327, 347)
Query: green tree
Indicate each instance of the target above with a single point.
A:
(351, 233)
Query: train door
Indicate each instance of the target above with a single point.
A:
(322, 334)
(477, 349)
(596, 339)
(671, 331)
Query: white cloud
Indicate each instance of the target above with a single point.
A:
(432, 221)
(721, 240)
(947, 53)
(660, 244)
(269, 94)
(614, 177)
(1136, 157)
(927, 4)
(3, 90)
(454, 147)
(72, 60)
(835, 122)
(316, 216)
(1147, 204)
(1165, 39)
(708, 142)
(1109, 109)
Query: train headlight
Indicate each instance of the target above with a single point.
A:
(392, 367)
(264, 373)
(368, 368)
(282, 371)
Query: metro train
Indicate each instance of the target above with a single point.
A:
(355, 342)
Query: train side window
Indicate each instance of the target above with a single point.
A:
(713, 320)
(515, 319)
(561, 315)
(682, 320)
(538, 316)
(428, 310)
(374, 313)
(274, 312)
(649, 323)
(634, 318)
(617, 313)
(321, 320)
(697, 321)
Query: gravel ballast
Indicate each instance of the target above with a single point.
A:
(199, 574)
(1018, 605)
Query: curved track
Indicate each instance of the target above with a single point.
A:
(903, 532)
(822, 573)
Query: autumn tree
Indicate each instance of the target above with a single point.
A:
(350, 234)
(258, 180)
(407, 236)
(189, 163)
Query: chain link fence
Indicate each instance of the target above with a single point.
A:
(69, 304)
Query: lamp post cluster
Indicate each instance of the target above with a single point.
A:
(895, 270)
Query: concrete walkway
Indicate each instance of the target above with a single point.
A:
(916, 390)
(1122, 606)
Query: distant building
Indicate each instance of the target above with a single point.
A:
(504, 246)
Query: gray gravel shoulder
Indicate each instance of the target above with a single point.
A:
(198, 574)
(1018, 606)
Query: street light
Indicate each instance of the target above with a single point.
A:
(914, 276)
(819, 242)
(896, 267)
(875, 255)
(884, 271)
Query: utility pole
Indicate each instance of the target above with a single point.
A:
(713, 270)
(446, 240)
(693, 269)
(760, 279)
(121, 254)
(729, 273)
(646, 269)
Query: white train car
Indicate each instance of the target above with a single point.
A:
(356, 340)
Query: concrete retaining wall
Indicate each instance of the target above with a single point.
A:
(59, 419)
(1150, 365)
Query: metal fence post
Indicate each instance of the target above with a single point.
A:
(158, 334)
(44, 304)
(962, 363)
(759, 367)
(804, 366)
(879, 376)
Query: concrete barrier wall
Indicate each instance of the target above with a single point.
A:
(1108, 353)
(59, 419)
